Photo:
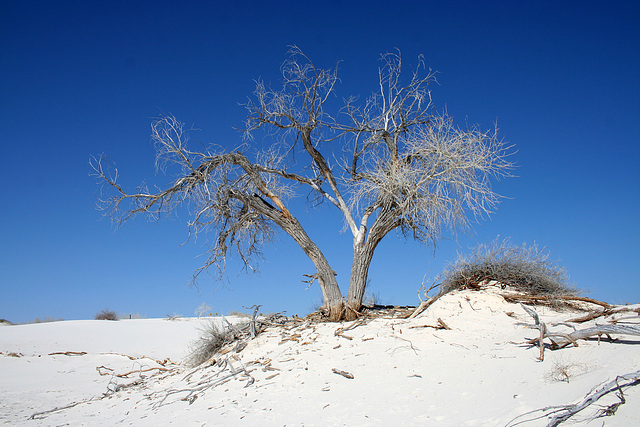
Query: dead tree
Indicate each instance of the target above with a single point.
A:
(400, 166)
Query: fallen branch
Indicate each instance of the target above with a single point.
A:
(513, 297)
(540, 326)
(606, 312)
(125, 375)
(68, 353)
(441, 325)
(571, 338)
(343, 373)
(340, 331)
(560, 414)
(424, 304)
(42, 414)
(593, 331)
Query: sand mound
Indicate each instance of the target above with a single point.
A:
(464, 361)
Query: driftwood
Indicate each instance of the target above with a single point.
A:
(340, 331)
(607, 312)
(441, 325)
(540, 326)
(560, 340)
(422, 307)
(566, 339)
(68, 353)
(140, 371)
(560, 414)
(550, 299)
(343, 373)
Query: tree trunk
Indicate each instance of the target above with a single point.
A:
(334, 301)
(362, 255)
(363, 249)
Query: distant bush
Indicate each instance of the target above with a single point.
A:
(525, 268)
(46, 320)
(106, 314)
(238, 314)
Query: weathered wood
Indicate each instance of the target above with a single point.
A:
(577, 334)
(343, 373)
(514, 297)
(593, 396)
(422, 307)
(607, 312)
(596, 330)
(564, 412)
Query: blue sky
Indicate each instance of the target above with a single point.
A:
(85, 78)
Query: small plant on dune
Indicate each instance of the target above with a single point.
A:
(238, 314)
(525, 268)
(563, 371)
(46, 320)
(211, 341)
(106, 314)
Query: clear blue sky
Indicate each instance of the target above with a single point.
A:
(82, 78)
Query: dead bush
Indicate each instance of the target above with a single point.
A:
(525, 268)
(212, 339)
(106, 314)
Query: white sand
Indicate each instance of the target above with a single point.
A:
(479, 373)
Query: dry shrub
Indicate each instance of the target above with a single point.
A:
(212, 339)
(106, 314)
(46, 320)
(238, 314)
(563, 371)
(525, 268)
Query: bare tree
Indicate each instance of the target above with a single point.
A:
(397, 165)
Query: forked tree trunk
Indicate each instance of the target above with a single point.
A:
(363, 249)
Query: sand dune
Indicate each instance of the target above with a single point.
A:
(480, 372)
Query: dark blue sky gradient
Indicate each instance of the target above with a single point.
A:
(85, 78)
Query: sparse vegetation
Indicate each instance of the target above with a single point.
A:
(238, 314)
(213, 338)
(46, 320)
(132, 316)
(564, 371)
(525, 268)
(106, 314)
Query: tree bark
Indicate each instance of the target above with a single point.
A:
(362, 256)
(363, 250)
(331, 293)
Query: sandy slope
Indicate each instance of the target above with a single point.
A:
(479, 373)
